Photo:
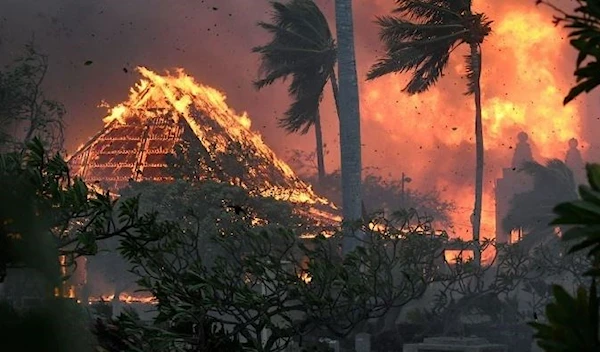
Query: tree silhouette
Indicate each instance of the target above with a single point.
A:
(301, 47)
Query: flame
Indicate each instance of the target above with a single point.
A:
(306, 277)
(181, 92)
(433, 133)
(452, 255)
(68, 291)
(245, 121)
(124, 298)
(527, 35)
(127, 298)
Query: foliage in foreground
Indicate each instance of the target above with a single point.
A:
(201, 204)
(269, 279)
(573, 320)
(59, 325)
(495, 299)
(45, 213)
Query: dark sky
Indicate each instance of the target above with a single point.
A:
(527, 70)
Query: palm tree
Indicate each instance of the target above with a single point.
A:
(532, 211)
(302, 47)
(349, 113)
(419, 39)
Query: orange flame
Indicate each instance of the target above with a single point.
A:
(127, 298)
(181, 92)
(433, 133)
(124, 298)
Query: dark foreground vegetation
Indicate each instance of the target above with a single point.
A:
(222, 283)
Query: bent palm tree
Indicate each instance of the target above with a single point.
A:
(303, 48)
(420, 39)
(532, 211)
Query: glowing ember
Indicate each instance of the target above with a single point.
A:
(306, 277)
(452, 255)
(125, 298)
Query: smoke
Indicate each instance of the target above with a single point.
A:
(527, 70)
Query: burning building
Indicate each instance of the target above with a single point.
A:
(171, 116)
(169, 113)
(512, 182)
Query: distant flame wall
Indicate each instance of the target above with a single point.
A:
(527, 72)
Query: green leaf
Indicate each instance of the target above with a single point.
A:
(589, 195)
(577, 212)
(593, 176)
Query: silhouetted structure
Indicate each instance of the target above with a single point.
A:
(511, 183)
(522, 151)
(575, 162)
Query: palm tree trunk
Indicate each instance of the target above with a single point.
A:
(350, 144)
(476, 52)
(336, 94)
(320, 154)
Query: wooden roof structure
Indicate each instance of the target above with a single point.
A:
(164, 112)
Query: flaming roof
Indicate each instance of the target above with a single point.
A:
(164, 111)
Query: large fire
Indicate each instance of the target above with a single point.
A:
(527, 69)
(433, 134)
(181, 92)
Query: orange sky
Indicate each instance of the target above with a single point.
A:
(527, 71)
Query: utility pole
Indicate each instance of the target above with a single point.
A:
(405, 179)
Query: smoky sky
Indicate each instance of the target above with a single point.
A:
(212, 40)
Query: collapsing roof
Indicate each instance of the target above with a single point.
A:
(164, 112)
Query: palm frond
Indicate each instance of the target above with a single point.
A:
(432, 11)
(397, 29)
(423, 48)
(300, 37)
(272, 75)
(422, 36)
(302, 48)
(308, 92)
(429, 71)
(428, 64)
